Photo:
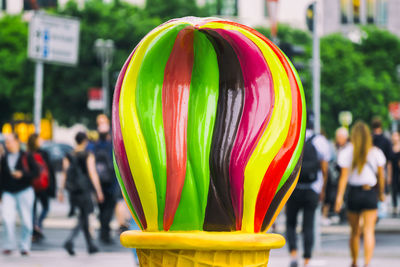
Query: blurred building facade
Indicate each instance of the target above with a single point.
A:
(336, 15)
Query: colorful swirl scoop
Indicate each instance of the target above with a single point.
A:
(208, 128)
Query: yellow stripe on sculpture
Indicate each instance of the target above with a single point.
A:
(136, 148)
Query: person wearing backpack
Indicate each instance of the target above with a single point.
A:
(44, 185)
(362, 168)
(17, 195)
(104, 166)
(308, 192)
(80, 178)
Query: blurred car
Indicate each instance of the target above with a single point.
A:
(57, 152)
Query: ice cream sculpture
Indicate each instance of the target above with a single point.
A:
(208, 132)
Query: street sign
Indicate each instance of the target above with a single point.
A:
(95, 99)
(394, 110)
(53, 39)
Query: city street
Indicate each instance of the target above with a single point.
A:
(333, 253)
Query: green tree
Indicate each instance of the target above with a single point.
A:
(169, 9)
(16, 83)
(360, 78)
(66, 87)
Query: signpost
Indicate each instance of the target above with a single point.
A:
(96, 99)
(55, 40)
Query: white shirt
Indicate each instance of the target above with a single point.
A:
(375, 159)
(321, 144)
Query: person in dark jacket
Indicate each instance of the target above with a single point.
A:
(18, 168)
(102, 150)
(41, 196)
(81, 198)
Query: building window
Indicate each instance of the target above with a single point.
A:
(381, 12)
(266, 11)
(223, 7)
(371, 10)
(345, 11)
(356, 11)
(375, 11)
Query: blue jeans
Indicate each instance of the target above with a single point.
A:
(44, 201)
(21, 202)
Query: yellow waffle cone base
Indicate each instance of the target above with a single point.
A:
(201, 249)
(201, 258)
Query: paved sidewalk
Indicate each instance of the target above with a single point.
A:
(334, 250)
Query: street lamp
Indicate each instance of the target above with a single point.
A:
(105, 50)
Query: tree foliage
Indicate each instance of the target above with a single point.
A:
(359, 77)
(16, 82)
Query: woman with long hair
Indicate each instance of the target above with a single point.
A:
(81, 164)
(42, 196)
(362, 167)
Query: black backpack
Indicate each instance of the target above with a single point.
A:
(311, 164)
(104, 165)
(77, 181)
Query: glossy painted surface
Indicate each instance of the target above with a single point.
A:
(150, 110)
(201, 118)
(175, 101)
(219, 213)
(135, 144)
(121, 159)
(208, 128)
(257, 109)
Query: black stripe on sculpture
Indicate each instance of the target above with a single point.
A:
(219, 211)
(281, 194)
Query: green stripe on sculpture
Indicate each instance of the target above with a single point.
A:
(203, 101)
(149, 108)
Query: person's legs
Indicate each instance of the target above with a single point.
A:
(106, 214)
(354, 221)
(69, 243)
(34, 216)
(84, 221)
(369, 217)
(292, 209)
(310, 205)
(9, 208)
(25, 201)
(44, 201)
(395, 192)
(122, 215)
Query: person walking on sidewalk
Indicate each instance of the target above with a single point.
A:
(18, 168)
(79, 178)
(308, 192)
(394, 179)
(362, 167)
(102, 150)
(45, 190)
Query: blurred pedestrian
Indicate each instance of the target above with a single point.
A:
(394, 179)
(309, 190)
(102, 150)
(80, 178)
(340, 143)
(383, 143)
(44, 192)
(362, 167)
(18, 168)
(379, 139)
